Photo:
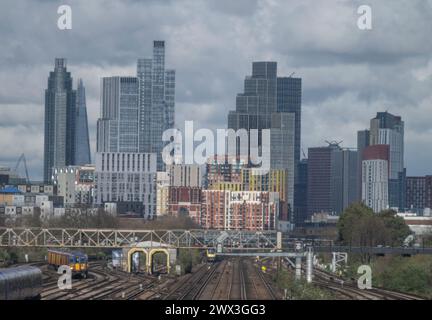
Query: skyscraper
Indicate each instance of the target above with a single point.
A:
(363, 141)
(289, 99)
(344, 179)
(282, 150)
(156, 101)
(257, 108)
(388, 129)
(300, 192)
(117, 127)
(332, 179)
(82, 143)
(60, 116)
(375, 177)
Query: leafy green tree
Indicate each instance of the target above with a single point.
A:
(360, 226)
(397, 229)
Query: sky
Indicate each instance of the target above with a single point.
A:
(348, 74)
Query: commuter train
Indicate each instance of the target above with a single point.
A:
(211, 255)
(20, 283)
(77, 261)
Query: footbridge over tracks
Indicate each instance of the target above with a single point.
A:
(115, 238)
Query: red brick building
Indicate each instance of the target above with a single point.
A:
(239, 210)
(185, 200)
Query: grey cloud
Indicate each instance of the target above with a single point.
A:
(348, 74)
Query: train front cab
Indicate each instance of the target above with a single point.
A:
(79, 264)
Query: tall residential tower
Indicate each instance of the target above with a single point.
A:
(156, 101)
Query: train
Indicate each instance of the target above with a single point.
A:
(77, 261)
(20, 283)
(211, 255)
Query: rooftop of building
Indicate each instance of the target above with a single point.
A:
(10, 190)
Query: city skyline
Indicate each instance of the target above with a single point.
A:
(345, 78)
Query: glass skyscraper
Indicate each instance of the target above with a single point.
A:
(156, 101)
(82, 143)
(60, 116)
(257, 108)
(289, 99)
(117, 127)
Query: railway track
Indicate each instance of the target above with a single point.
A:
(196, 284)
(336, 284)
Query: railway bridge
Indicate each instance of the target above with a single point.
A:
(150, 242)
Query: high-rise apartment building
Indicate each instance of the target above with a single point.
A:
(156, 101)
(375, 174)
(60, 116)
(82, 141)
(388, 129)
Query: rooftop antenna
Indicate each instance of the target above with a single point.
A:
(290, 76)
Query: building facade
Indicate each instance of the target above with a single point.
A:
(185, 175)
(300, 192)
(344, 177)
(419, 193)
(375, 177)
(60, 116)
(258, 108)
(388, 129)
(82, 141)
(244, 210)
(185, 201)
(156, 101)
(117, 127)
(127, 178)
(319, 180)
(162, 193)
(75, 184)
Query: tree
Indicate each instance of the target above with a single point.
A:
(397, 229)
(359, 226)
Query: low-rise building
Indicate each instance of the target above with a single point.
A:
(75, 184)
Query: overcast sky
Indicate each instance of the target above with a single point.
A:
(348, 74)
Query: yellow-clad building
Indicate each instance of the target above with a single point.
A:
(227, 186)
(275, 180)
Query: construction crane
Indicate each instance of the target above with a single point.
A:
(23, 159)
